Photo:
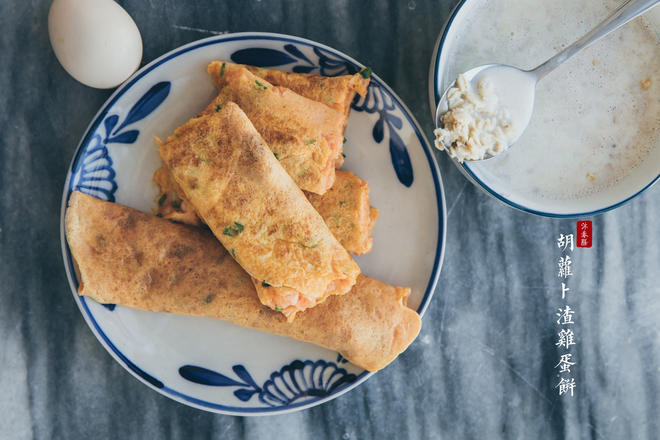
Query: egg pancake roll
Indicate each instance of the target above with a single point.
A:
(127, 257)
(241, 192)
(337, 92)
(344, 208)
(306, 136)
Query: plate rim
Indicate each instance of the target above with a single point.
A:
(434, 95)
(124, 361)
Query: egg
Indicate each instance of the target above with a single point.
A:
(96, 41)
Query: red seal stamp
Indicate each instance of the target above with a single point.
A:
(584, 234)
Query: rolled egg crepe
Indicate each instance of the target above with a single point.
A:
(344, 208)
(306, 136)
(134, 259)
(337, 92)
(241, 192)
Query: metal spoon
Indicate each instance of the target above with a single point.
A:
(516, 88)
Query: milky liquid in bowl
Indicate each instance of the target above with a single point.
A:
(595, 118)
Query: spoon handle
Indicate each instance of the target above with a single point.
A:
(625, 13)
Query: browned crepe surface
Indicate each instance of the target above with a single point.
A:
(306, 136)
(240, 190)
(344, 208)
(138, 260)
(337, 92)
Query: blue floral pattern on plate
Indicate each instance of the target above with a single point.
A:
(94, 174)
(293, 382)
(325, 64)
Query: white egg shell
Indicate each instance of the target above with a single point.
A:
(96, 41)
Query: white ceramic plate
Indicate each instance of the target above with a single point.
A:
(218, 366)
(449, 60)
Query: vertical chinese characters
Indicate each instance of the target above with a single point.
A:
(565, 316)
